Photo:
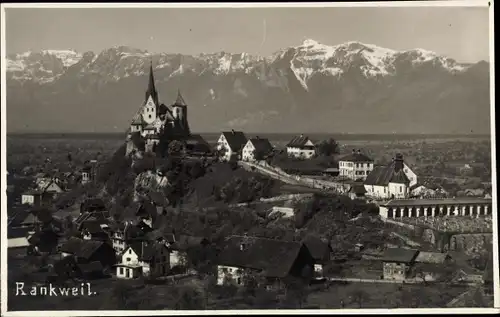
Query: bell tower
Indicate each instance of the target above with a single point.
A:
(151, 99)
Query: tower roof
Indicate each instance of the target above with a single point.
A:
(151, 91)
(179, 101)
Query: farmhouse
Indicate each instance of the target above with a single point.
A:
(397, 263)
(232, 144)
(391, 181)
(142, 258)
(272, 260)
(256, 149)
(86, 251)
(301, 147)
(32, 197)
(321, 251)
(355, 166)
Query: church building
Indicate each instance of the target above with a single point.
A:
(154, 118)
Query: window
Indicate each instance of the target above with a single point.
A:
(128, 259)
(149, 116)
(401, 189)
(130, 251)
(239, 280)
(128, 272)
(121, 271)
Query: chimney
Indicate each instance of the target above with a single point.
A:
(232, 131)
(353, 151)
(359, 151)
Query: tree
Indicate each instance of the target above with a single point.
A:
(176, 148)
(328, 147)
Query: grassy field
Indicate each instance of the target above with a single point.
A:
(377, 295)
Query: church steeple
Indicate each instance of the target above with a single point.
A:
(179, 101)
(151, 87)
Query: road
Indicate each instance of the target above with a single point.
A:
(365, 280)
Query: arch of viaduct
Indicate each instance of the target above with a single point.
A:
(472, 207)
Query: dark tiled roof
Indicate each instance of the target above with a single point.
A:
(319, 249)
(356, 157)
(81, 248)
(358, 189)
(13, 233)
(383, 175)
(184, 242)
(145, 209)
(274, 258)
(146, 251)
(262, 146)
(298, 141)
(235, 139)
(93, 204)
(400, 255)
(93, 227)
(92, 267)
(43, 237)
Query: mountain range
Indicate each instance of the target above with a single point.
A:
(348, 88)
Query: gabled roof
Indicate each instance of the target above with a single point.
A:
(399, 255)
(319, 249)
(235, 139)
(356, 157)
(81, 248)
(147, 251)
(383, 175)
(262, 146)
(185, 242)
(299, 141)
(358, 189)
(274, 258)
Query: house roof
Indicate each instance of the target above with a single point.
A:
(383, 175)
(44, 236)
(262, 146)
(92, 267)
(399, 255)
(358, 189)
(356, 157)
(146, 251)
(235, 139)
(146, 208)
(318, 248)
(81, 248)
(185, 242)
(298, 141)
(91, 204)
(93, 226)
(431, 257)
(274, 258)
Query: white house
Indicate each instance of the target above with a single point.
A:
(355, 165)
(388, 182)
(255, 148)
(141, 258)
(232, 143)
(31, 198)
(301, 147)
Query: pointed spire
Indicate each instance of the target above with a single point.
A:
(179, 101)
(151, 85)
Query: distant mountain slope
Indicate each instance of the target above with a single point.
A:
(351, 87)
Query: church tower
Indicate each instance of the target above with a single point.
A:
(179, 112)
(151, 100)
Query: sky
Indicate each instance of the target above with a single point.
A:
(460, 33)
